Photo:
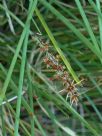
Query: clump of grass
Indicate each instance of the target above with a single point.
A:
(30, 103)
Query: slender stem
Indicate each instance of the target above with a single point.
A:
(21, 84)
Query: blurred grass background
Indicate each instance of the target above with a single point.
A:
(30, 104)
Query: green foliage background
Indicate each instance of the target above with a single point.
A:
(30, 104)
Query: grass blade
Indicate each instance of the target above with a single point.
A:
(87, 24)
(100, 23)
(21, 83)
(9, 18)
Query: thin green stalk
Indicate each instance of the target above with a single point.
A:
(8, 17)
(20, 87)
(87, 24)
(30, 93)
(100, 23)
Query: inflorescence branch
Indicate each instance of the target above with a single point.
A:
(61, 74)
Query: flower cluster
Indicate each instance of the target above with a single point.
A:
(61, 74)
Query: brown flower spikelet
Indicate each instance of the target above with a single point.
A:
(51, 61)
